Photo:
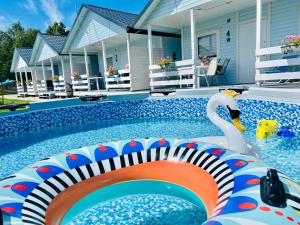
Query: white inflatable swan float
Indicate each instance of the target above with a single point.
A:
(233, 138)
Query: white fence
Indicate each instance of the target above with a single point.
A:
(264, 63)
(181, 76)
(123, 80)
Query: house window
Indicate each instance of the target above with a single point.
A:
(109, 61)
(208, 45)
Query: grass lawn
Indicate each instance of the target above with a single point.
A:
(12, 101)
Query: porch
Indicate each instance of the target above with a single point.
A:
(248, 33)
(118, 63)
(25, 80)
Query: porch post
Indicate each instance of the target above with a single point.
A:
(26, 75)
(44, 76)
(86, 60)
(52, 68)
(258, 33)
(22, 82)
(129, 59)
(194, 44)
(35, 73)
(33, 80)
(128, 51)
(71, 63)
(150, 49)
(104, 56)
(63, 72)
(104, 62)
(16, 76)
(98, 79)
(150, 45)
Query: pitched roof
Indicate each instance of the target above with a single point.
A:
(123, 19)
(145, 9)
(56, 42)
(25, 53)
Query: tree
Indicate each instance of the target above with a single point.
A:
(57, 29)
(15, 37)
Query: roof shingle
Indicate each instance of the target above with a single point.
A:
(123, 19)
(25, 53)
(57, 42)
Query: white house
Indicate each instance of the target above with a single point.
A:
(106, 39)
(247, 32)
(24, 74)
(54, 78)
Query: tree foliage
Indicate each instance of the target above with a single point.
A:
(57, 28)
(18, 37)
(15, 37)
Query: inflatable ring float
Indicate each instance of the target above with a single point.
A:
(229, 184)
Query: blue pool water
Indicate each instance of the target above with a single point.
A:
(138, 202)
(18, 152)
(142, 209)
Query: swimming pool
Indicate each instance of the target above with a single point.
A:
(19, 151)
(33, 136)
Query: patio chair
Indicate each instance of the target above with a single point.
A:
(222, 70)
(211, 71)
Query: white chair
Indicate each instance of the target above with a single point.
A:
(211, 70)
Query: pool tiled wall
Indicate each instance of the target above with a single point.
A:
(252, 110)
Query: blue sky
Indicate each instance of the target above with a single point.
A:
(41, 13)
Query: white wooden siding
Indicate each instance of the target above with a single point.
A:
(20, 63)
(284, 21)
(45, 52)
(94, 28)
(170, 7)
(140, 67)
(121, 53)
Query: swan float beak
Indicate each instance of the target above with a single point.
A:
(235, 116)
(237, 123)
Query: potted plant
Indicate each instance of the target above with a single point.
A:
(29, 82)
(76, 76)
(19, 84)
(291, 43)
(166, 64)
(112, 71)
(55, 78)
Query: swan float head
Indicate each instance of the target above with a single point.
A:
(234, 110)
(232, 131)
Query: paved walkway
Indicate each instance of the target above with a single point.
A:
(34, 99)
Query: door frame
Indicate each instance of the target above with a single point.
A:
(238, 24)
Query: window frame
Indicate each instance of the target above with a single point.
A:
(207, 33)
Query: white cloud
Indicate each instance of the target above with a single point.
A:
(4, 23)
(50, 8)
(30, 6)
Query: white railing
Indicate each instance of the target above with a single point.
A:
(80, 84)
(20, 90)
(181, 76)
(123, 80)
(31, 89)
(59, 86)
(266, 69)
(41, 87)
